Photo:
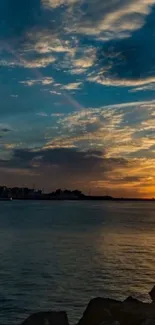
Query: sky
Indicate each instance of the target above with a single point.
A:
(77, 104)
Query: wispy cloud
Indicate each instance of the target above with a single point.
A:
(47, 40)
(107, 81)
(14, 95)
(150, 87)
(104, 18)
(111, 127)
(70, 48)
(72, 86)
(44, 81)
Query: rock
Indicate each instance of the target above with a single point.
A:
(109, 322)
(131, 299)
(129, 316)
(149, 321)
(152, 294)
(129, 312)
(47, 318)
(97, 312)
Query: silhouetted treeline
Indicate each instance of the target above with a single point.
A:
(27, 193)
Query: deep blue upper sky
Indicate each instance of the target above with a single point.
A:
(77, 95)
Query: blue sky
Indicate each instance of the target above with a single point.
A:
(77, 89)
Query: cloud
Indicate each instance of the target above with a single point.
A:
(72, 86)
(14, 96)
(42, 114)
(4, 129)
(44, 81)
(127, 62)
(71, 167)
(77, 71)
(29, 63)
(109, 147)
(10, 146)
(105, 42)
(57, 3)
(57, 114)
(41, 41)
(55, 92)
(103, 18)
(48, 32)
(67, 160)
(116, 82)
(123, 130)
(41, 62)
(149, 87)
(84, 63)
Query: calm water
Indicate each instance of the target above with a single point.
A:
(60, 255)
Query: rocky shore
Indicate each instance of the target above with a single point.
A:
(103, 311)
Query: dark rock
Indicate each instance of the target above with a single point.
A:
(128, 315)
(129, 312)
(131, 299)
(149, 321)
(110, 322)
(47, 318)
(152, 294)
(97, 312)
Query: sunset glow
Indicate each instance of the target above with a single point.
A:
(77, 96)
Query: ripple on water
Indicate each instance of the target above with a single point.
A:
(60, 255)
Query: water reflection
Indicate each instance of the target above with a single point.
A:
(56, 256)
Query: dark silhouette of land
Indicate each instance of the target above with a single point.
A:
(25, 193)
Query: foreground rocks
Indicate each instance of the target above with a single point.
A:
(152, 294)
(102, 311)
(47, 318)
(129, 312)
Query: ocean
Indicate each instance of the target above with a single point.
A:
(59, 255)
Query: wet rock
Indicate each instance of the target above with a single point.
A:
(131, 299)
(110, 322)
(129, 316)
(97, 312)
(152, 294)
(149, 321)
(100, 311)
(47, 318)
(129, 312)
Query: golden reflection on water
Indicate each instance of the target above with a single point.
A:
(131, 258)
(61, 255)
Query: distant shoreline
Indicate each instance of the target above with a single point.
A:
(86, 198)
(28, 194)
